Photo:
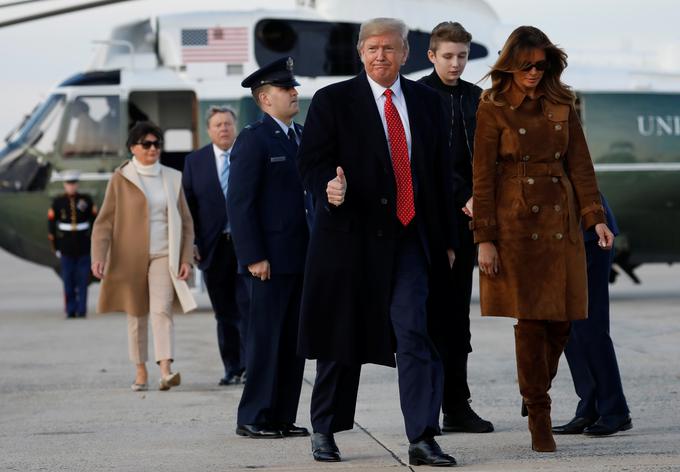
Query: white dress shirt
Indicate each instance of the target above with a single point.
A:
(399, 102)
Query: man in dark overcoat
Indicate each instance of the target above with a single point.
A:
(266, 207)
(374, 155)
(205, 179)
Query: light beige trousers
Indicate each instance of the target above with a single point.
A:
(161, 295)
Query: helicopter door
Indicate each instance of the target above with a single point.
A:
(176, 113)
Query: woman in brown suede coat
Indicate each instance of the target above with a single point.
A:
(533, 183)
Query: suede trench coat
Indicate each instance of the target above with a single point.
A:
(120, 237)
(533, 183)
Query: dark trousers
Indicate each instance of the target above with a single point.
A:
(590, 351)
(75, 274)
(418, 364)
(450, 325)
(272, 393)
(229, 298)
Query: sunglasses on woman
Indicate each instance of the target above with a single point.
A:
(147, 144)
(540, 66)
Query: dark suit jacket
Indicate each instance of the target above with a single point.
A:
(206, 201)
(348, 278)
(266, 200)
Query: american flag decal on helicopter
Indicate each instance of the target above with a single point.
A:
(228, 45)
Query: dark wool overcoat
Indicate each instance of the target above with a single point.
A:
(350, 259)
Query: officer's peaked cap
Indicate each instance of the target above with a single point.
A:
(279, 73)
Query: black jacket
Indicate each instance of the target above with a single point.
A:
(462, 110)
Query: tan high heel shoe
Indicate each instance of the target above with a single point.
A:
(170, 380)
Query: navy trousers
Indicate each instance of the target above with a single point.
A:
(590, 351)
(229, 299)
(450, 328)
(75, 274)
(418, 364)
(272, 392)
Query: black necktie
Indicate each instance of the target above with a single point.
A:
(291, 138)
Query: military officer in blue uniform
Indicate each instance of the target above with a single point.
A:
(266, 210)
(70, 219)
(602, 408)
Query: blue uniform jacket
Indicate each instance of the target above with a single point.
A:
(266, 200)
(204, 196)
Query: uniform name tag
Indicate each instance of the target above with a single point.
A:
(277, 159)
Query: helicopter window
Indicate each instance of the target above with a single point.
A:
(93, 127)
(41, 126)
(322, 48)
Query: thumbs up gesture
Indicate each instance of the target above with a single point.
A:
(336, 188)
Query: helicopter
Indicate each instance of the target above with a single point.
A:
(169, 69)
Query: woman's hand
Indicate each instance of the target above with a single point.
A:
(98, 269)
(606, 241)
(184, 271)
(488, 260)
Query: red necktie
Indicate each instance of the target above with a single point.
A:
(402, 167)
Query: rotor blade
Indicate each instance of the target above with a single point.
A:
(21, 2)
(59, 11)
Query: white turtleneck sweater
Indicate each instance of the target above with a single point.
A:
(152, 184)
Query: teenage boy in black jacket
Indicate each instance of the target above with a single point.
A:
(450, 327)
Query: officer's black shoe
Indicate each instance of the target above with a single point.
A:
(291, 430)
(231, 378)
(258, 431)
(70, 315)
(464, 420)
(81, 315)
(575, 426)
(610, 425)
(428, 452)
(324, 448)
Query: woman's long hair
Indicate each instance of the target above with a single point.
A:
(512, 58)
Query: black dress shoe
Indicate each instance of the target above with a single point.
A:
(524, 411)
(428, 452)
(258, 431)
(230, 379)
(290, 430)
(606, 426)
(575, 426)
(465, 420)
(324, 448)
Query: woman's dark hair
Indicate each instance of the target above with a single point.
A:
(139, 131)
(513, 57)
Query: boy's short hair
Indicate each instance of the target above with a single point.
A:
(450, 31)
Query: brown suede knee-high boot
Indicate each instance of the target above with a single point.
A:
(533, 374)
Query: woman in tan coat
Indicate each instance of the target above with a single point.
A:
(142, 250)
(533, 183)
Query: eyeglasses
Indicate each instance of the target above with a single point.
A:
(540, 66)
(148, 144)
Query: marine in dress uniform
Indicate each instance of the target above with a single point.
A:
(70, 219)
(266, 210)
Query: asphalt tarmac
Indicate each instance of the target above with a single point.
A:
(66, 403)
